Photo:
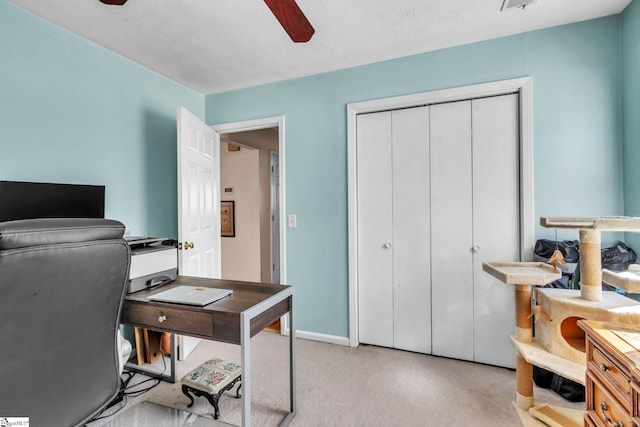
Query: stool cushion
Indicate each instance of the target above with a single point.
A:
(212, 376)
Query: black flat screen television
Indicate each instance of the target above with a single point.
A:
(27, 200)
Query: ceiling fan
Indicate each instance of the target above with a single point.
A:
(287, 12)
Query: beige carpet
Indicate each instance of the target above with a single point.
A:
(364, 386)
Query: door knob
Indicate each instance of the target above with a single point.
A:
(386, 245)
(475, 248)
(186, 245)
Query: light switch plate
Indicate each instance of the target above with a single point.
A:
(293, 222)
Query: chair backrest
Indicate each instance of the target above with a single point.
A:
(62, 286)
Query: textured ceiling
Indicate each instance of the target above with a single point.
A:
(218, 45)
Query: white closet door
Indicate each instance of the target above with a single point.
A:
(375, 270)
(451, 231)
(411, 233)
(495, 224)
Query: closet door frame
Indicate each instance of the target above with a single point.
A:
(522, 86)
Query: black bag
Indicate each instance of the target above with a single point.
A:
(566, 388)
(542, 377)
(569, 249)
(618, 257)
(570, 390)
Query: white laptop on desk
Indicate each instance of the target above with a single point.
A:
(191, 295)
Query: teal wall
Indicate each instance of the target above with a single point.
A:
(576, 74)
(74, 112)
(631, 127)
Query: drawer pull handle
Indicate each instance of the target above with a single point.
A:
(162, 318)
(604, 368)
(607, 419)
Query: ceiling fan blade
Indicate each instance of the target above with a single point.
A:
(288, 13)
(114, 2)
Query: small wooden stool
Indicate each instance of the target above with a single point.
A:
(210, 380)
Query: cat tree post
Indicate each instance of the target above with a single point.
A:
(590, 265)
(524, 333)
(523, 275)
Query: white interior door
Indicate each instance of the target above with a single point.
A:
(411, 230)
(496, 226)
(451, 232)
(198, 204)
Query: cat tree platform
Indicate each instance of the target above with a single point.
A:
(603, 223)
(628, 281)
(522, 273)
(590, 255)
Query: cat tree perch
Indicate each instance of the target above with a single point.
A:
(559, 343)
(590, 246)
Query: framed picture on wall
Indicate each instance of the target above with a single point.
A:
(227, 219)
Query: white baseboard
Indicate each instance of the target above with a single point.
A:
(314, 336)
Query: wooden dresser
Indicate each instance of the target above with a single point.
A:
(612, 375)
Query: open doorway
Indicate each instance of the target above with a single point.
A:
(246, 180)
(251, 178)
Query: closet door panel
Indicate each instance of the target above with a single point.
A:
(411, 235)
(451, 230)
(375, 272)
(496, 223)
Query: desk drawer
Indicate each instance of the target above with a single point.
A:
(168, 319)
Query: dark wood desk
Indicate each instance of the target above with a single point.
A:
(234, 319)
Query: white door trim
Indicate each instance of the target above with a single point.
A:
(265, 123)
(274, 189)
(527, 221)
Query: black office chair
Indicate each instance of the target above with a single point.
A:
(62, 285)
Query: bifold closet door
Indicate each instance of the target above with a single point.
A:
(375, 260)
(474, 218)
(496, 223)
(411, 230)
(451, 230)
(393, 229)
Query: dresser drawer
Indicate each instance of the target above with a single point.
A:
(591, 420)
(588, 422)
(168, 319)
(612, 371)
(604, 407)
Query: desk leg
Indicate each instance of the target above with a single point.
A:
(292, 363)
(292, 368)
(245, 349)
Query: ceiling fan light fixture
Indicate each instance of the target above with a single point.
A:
(511, 4)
